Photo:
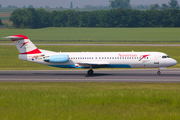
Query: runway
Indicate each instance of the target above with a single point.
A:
(125, 75)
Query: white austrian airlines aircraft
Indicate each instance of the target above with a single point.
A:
(29, 52)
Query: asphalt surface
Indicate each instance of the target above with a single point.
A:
(102, 44)
(125, 75)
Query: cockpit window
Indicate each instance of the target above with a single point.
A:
(165, 57)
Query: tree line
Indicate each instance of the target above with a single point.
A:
(125, 4)
(1, 22)
(39, 18)
(173, 4)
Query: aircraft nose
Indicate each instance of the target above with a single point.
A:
(170, 62)
(173, 62)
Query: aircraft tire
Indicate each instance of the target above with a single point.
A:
(90, 72)
(159, 73)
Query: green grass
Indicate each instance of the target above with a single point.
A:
(5, 13)
(98, 34)
(4, 18)
(10, 61)
(5, 9)
(89, 101)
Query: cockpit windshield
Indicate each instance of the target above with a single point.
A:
(165, 57)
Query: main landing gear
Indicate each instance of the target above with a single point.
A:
(90, 72)
(159, 72)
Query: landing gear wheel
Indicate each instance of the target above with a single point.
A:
(158, 72)
(90, 72)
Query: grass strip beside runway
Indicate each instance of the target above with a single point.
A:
(71, 34)
(10, 61)
(82, 101)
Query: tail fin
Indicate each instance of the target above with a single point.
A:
(24, 45)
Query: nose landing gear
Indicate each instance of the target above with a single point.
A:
(159, 72)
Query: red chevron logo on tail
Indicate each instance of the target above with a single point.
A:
(24, 44)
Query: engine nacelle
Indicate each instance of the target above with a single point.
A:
(56, 58)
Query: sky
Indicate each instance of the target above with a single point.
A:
(76, 3)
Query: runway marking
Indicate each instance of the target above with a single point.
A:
(136, 80)
(172, 75)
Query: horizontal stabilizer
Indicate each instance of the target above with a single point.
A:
(17, 37)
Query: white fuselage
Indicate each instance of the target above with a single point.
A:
(105, 59)
(29, 52)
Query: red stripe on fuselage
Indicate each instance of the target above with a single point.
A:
(35, 51)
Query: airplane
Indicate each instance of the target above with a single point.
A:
(29, 52)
